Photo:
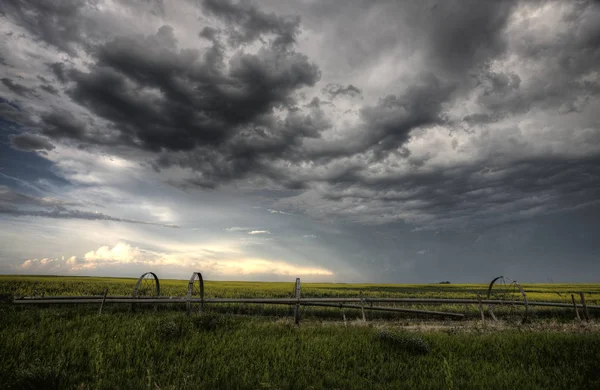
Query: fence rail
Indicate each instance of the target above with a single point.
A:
(196, 286)
(283, 301)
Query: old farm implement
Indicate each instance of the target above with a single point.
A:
(504, 297)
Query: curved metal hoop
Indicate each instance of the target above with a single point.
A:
(192, 289)
(518, 286)
(136, 289)
(142, 283)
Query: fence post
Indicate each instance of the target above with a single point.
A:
(103, 300)
(297, 307)
(362, 307)
(575, 307)
(585, 309)
(481, 309)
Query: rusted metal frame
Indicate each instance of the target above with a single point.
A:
(196, 276)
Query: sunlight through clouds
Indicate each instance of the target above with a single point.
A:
(209, 261)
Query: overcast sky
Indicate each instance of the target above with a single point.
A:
(349, 141)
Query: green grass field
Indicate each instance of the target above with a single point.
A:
(74, 347)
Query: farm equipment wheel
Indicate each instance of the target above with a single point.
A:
(146, 286)
(512, 295)
(195, 290)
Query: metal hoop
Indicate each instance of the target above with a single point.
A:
(142, 283)
(136, 290)
(196, 276)
(518, 286)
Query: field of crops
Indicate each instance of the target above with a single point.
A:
(75, 347)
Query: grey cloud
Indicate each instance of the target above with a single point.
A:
(334, 90)
(464, 34)
(215, 114)
(56, 23)
(465, 197)
(10, 202)
(390, 122)
(49, 88)
(200, 105)
(62, 124)
(209, 33)
(17, 88)
(11, 112)
(10, 197)
(30, 142)
(73, 25)
(246, 23)
(58, 68)
(74, 214)
(563, 63)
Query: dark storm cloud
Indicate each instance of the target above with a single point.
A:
(62, 124)
(462, 195)
(57, 23)
(16, 87)
(198, 104)
(30, 142)
(213, 110)
(49, 88)
(563, 60)
(10, 202)
(12, 113)
(390, 122)
(387, 125)
(334, 90)
(463, 34)
(58, 68)
(459, 38)
(246, 23)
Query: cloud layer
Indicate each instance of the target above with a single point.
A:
(212, 264)
(228, 107)
(454, 116)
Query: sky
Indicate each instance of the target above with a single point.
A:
(335, 141)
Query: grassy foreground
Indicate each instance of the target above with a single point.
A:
(73, 347)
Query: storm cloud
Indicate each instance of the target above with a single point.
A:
(443, 116)
(11, 203)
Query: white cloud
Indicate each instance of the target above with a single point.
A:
(238, 229)
(309, 236)
(259, 232)
(273, 211)
(211, 262)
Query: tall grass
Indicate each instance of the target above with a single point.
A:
(74, 347)
(56, 348)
